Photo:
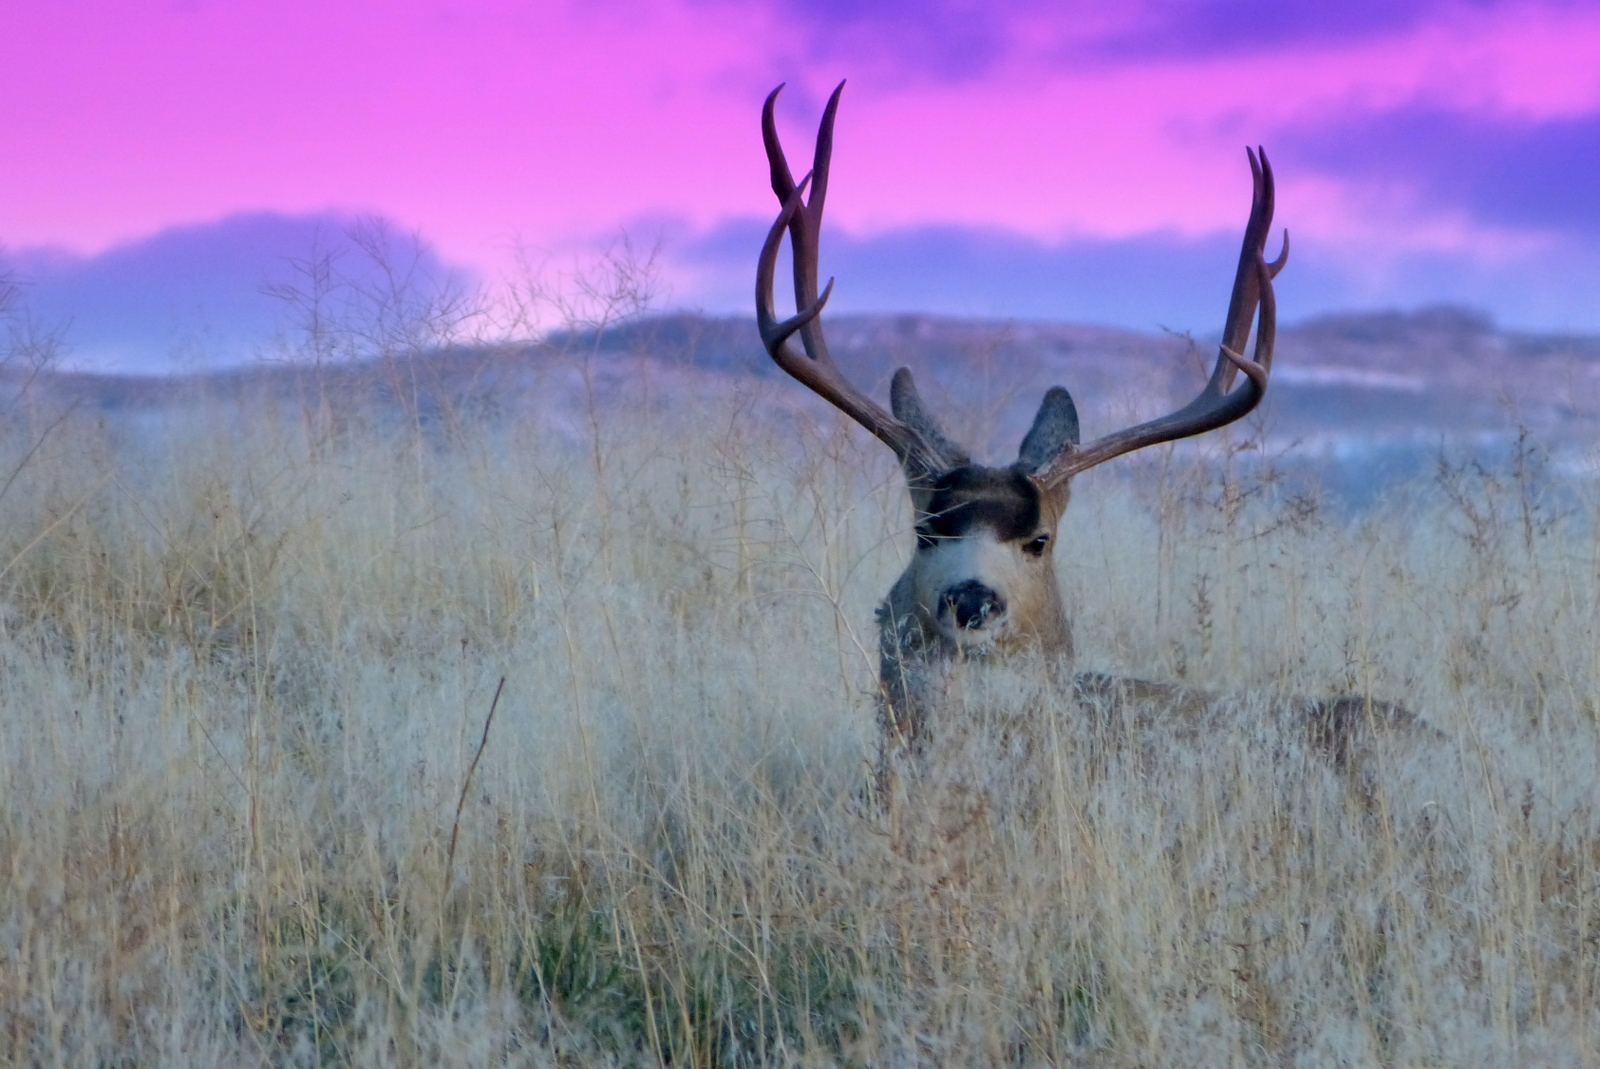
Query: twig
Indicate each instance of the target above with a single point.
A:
(58, 421)
(466, 785)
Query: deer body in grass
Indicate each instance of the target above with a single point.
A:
(981, 583)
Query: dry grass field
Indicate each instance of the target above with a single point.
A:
(266, 801)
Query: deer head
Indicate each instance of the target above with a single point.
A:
(982, 578)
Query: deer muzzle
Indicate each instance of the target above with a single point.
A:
(972, 606)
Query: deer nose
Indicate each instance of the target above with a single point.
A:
(973, 604)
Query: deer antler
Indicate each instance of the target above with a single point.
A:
(1215, 406)
(922, 450)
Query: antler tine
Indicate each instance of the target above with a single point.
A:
(782, 181)
(1215, 406)
(805, 225)
(816, 370)
(775, 334)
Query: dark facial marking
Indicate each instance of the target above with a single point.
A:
(1001, 499)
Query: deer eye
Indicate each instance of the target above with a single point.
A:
(1035, 548)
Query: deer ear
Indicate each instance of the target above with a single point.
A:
(1054, 429)
(909, 409)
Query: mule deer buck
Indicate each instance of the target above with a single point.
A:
(981, 583)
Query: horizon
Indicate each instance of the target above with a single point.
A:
(146, 352)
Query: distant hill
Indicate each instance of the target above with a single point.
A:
(1433, 375)
(1361, 391)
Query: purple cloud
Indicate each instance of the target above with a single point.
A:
(1143, 283)
(950, 40)
(1517, 173)
(203, 294)
(960, 41)
(1232, 27)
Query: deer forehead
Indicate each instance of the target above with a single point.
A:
(1002, 501)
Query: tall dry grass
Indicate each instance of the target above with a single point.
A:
(249, 659)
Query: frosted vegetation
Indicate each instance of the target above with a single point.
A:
(266, 802)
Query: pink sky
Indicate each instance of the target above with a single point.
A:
(482, 123)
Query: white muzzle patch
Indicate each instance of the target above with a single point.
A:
(961, 585)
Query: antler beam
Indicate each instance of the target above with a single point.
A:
(922, 456)
(1216, 406)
